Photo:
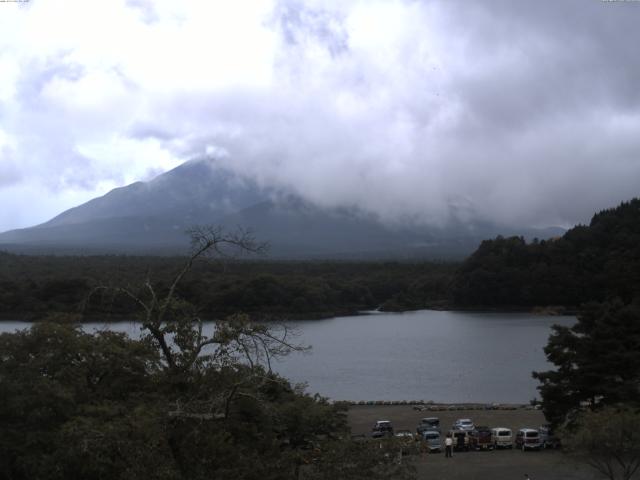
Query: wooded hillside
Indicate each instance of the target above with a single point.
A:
(588, 263)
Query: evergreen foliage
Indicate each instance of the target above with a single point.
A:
(597, 360)
(589, 263)
(34, 287)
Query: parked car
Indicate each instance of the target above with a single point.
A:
(480, 439)
(428, 423)
(548, 438)
(404, 434)
(433, 441)
(502, 437)
(432, 421)
(406, 440)
(463, 424)
(460, 439)
(382, 428)
(528, 438)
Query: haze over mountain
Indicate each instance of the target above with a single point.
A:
(152, 217)
(401, 107)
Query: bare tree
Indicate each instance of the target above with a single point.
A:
(608, 440)
(176, 329)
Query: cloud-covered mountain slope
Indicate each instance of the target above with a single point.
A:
(151, 217)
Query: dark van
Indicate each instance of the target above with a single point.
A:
(528, 439)
(480, 439)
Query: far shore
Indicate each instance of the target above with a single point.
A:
(550, 310)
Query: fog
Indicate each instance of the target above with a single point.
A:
(524, 113)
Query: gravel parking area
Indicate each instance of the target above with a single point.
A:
(494, 465)
(404, 417)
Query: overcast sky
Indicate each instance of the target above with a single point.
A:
(523, 112)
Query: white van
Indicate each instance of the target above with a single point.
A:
(502, 437)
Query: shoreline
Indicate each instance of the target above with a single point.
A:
(429, 406)
(550, 310)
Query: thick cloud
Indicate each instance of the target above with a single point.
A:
(525, 113)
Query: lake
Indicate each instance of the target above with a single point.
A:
(442, 356)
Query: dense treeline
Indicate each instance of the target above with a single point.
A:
(33, 287)
(589, 263)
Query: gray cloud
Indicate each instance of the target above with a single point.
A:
(525, 113)
(300, 24)
(532, 122)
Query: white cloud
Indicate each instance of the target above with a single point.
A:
(399, 107)
(136, 159)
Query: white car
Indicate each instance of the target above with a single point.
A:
(502, 437)
(464, 424)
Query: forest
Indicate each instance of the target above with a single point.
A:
(589, 263)
(34, 287)
(592, 262)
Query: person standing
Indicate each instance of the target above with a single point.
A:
(448, 446)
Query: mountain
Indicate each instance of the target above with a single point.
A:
(144, 215)
(151, 217)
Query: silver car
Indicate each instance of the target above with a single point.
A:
(464, 424)
(548, 438)
(432, 439)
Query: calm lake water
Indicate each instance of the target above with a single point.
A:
(421, 355)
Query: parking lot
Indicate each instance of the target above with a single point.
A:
(494, 465)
